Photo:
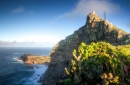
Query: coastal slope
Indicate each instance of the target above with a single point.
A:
(96, 29)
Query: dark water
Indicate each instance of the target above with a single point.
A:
(14, 72)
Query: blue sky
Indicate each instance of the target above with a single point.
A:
(48, 21)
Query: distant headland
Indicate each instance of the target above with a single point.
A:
(35, 59)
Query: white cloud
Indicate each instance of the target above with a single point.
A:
(84, 7)
(18, 10)
(26, 44)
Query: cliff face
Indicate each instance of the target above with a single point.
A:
(95, 29)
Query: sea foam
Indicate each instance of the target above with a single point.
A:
(39, 70)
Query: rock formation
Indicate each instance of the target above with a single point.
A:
(95, 29)
(34, 59)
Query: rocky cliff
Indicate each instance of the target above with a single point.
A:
(95, 29)
(34, 59)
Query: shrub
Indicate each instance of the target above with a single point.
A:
(99, 63)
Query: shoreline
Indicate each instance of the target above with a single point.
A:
(39, 70)
(40, 65)
(36, 77)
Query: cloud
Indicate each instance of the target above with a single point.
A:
(18, 10)
(25, 44)
(84, 7)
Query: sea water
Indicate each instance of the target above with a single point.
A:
(15, 72)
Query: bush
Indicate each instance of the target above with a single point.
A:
(99, 63)
(65, 82)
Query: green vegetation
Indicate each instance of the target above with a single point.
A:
(99, 64)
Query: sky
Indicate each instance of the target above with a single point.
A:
(48, 21)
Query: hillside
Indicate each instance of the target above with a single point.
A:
(95, 30)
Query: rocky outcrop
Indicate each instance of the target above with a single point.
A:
(95, 29)
(34, 59)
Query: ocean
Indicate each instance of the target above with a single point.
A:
(15, 72)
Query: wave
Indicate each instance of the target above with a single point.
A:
(38, 72)
(38, 69)
(16, 60)
(17, 53)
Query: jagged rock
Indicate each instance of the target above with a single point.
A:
(95, 29)
(34, 59)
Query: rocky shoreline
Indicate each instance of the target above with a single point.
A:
(35, 59)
